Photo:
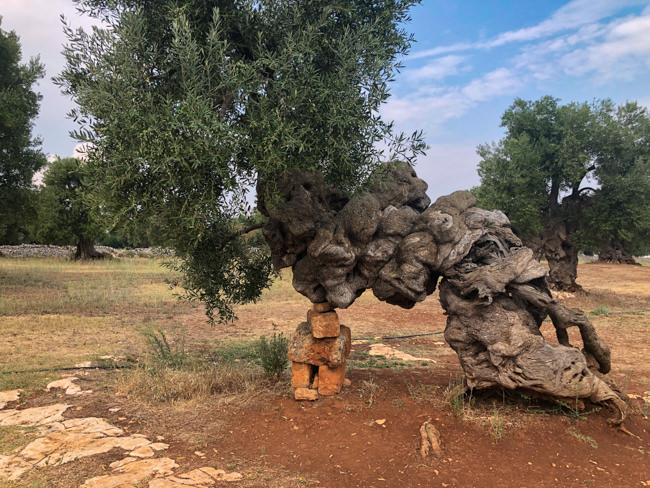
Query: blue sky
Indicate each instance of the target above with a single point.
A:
(471, 59)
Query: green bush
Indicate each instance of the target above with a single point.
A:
(273, 354)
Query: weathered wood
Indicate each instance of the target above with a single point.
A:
(392, 241)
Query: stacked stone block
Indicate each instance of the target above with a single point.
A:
(318, 350)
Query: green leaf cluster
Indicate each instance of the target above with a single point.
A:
(189, 105)
(584, 164)
(64, 216)
(20, 156)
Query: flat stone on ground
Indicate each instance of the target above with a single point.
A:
(133, 473)
(391, 353)
(306, 393)
(8, 396)
(33, 416)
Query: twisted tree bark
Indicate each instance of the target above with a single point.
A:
(393, 241)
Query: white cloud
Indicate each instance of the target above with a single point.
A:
(81, 150)
(501, 81)
(449, 167)
(437, 51)
(571, 16)
(430, 110)
(438, 69)
(37, 24)
(622, 53)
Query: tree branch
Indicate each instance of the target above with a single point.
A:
(250, 228)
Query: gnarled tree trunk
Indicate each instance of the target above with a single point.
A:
(561, 253)
(615, 253)
(86, 249)
(495, 293)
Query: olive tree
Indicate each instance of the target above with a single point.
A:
(564, 172)
(188, 105)
(20, 156)
(64, 216)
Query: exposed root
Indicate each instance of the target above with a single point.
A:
(430, 440)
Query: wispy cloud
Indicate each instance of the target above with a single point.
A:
(571, 16)
(438, 69)
(622, 52)
(584, 38)
(431, 109)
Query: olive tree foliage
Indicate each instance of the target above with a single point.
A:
(617, 221)
(569, 174)
(64, 216)
(20, 156)
(190, 104)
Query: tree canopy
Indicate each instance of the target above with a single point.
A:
(64, 217)
(190, 104)
(561, 169)
(20, 156)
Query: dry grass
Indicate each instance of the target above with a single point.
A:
(56, 313)
(13, 438)
(56, 286)
(195, 381)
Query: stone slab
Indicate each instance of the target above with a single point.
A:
(305, 348)
(330, 380)
(307, 393)
(325, 324)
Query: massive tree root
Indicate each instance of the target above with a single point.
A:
(393, 241)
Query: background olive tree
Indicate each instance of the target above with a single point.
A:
(63, 214)
(568, 175)
(190, 104)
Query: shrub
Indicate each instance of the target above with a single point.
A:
(273, 354)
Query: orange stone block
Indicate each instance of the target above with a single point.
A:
(325, 324)
(301, 374)
(321, 307)
(305, 348)
(330, 380)
(306, 394)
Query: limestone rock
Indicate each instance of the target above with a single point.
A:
(321, 307)
(132, 473)
(347, 334)
(66, 384)
(306, 393)
(391, 353)
(8, 396)
(305, 348)
(330, 380)
(33, 416)
(430, 440)
(142, 452)
(302, 375)
(324, 324)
